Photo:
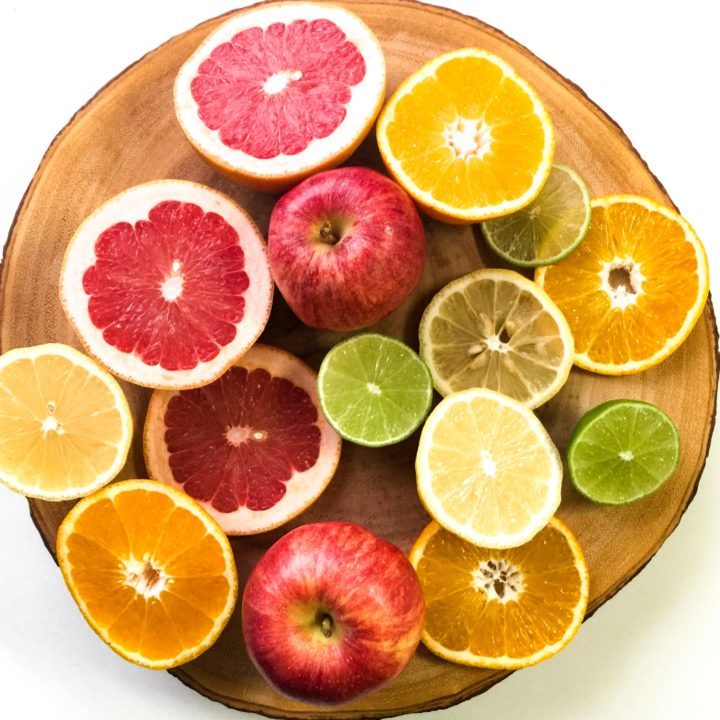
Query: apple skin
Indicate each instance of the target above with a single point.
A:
(331, 612)
(346, 247)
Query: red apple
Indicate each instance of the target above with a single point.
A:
(346, 247)
(331, 612)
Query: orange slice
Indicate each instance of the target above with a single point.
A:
(150, 570)
(501, 608)
(65, 425)
(635, 287)
(467, 137)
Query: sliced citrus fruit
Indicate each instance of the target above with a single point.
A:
(622, 451)
(496, 329)
(487, 470)
(167, 284)
(467, 137)
(150, 570)
(374, 390)
(281, 91)
(252, 448)
(547, 229)
(503, 609)
(66, 425)
(635, 287)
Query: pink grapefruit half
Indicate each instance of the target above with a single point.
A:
(281, 91)
(253, 447)
(167, 284)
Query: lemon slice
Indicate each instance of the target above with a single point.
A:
(487, 470)
(66, 425)
(498, 330)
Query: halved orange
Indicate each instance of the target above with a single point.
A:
(467, 137)
(151, 571)
(635, 287)
(501, 608)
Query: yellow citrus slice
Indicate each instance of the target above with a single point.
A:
(635, 287)
(151, 571)
(487, 470)
(467, 137)
(496, 329)
(502, 609)
(66, 425)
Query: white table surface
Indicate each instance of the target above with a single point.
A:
(649, 653)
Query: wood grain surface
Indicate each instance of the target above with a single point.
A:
(128, 134)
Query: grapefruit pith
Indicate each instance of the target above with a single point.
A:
(167, 284)
(252, 447)
(281, 91)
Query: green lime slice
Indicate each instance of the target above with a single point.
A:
(374, 390)
(547, 229)
(622, 451)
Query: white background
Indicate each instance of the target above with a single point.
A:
(652, 651)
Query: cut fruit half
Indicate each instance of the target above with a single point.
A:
(622, 451)
(634, 288)
(66, 425)
(152, 572)
(487, 470)
(374, 390)
(549, 228)
(496, 329)
(281, 91)
(167, 284)
(252, 447)
(504, 609)
(467, 137)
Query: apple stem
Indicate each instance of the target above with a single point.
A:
(326, 625)
(327, 235)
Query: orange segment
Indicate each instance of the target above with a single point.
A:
(635, 287)
(151, 571)
(501, 608)
(467, 137)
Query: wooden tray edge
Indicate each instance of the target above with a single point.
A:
(473, 691)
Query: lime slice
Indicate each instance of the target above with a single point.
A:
(622, 451)
(496, 329)
(374, 390)
(547, 229)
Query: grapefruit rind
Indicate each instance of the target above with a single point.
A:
(300, 493)
(179, 499)
(121, 406)
(430, 204)
(583, 360)
(133, 205)
(505, 662)
(282, 171)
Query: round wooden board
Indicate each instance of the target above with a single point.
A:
(128, 134)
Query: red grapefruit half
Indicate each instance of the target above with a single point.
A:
(167, 284)
(253, 447)
(281, 91)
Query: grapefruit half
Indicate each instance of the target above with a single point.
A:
(167, 284)
(252, 447)
(281, 91)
